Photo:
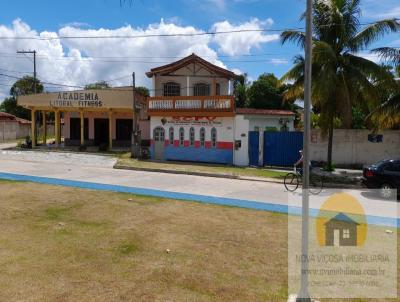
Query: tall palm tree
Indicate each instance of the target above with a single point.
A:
(340, 78)
(387, 114)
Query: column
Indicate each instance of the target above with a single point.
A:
(44, 128)
(57, 127)
(187, 86)
(214, 87)
(110, 132)
(33, 127)
(82, 128)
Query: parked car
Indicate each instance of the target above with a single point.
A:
(383, 175)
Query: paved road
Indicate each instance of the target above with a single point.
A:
(98, 169)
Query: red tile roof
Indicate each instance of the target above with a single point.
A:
(4, 116)
(193, 58)
(263, 111)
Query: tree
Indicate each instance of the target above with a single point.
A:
(240, 84)
(265, 93)
(98, 85)
(22, 86)
(143, 90)
(387, 114)
(340, 79)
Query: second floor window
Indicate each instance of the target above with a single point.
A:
(172, 89)
(181, 136)
(201, 89)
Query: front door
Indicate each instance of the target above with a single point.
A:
(159, 137)
(254, 145)
(101, 131)
(336, 237)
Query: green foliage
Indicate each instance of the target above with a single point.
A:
(265, 93)
(98, 85)
(340, 79)
(240, 86)
(22, 86)
(143, 90)
(358, 121)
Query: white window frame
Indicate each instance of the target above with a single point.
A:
(192, 136)
(346, 233)
(171, 135)
(202, 137)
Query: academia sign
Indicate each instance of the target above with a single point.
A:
(77, 99)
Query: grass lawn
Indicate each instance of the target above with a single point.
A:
(65, 244)
(125, 160)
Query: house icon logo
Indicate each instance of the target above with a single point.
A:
(341, 222)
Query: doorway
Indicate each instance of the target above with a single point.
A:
(159, 138)
(101, 131)
(336, 237)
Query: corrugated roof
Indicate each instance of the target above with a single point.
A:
(4, 116)
(263, 111)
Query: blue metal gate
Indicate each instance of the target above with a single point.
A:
(282, 148)
(254, 146)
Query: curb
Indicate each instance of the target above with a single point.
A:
(248, 178)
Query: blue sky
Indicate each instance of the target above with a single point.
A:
(67, 62)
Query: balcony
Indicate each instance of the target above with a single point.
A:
(219, 105)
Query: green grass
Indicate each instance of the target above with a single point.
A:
(125, 160)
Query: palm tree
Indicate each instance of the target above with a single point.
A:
(387, 114)
(340, 78)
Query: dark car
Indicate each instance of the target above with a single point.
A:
(383, 175)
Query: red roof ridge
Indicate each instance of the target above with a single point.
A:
(187, 60)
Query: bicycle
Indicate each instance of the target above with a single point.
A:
(293, 179)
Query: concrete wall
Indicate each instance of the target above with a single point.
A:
(244, 124)
(351, 147)
(11, 130)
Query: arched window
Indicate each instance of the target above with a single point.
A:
(217, 89)
(202, 137)
(172, 89)
(191, 136)
(181, 136)
(201, 89)
(171, 135)
(158, 134)
(213, 137)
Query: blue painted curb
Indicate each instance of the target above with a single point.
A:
(241, 203)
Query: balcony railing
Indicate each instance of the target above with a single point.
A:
(191, 103)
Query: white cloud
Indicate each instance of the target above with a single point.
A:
(77, 62)
(279, 61)
(242, 43)
(370, 56)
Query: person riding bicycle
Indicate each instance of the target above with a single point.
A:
(300, 162)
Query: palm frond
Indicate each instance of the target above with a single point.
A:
(389, 54)
(373, 32)
(295, 36)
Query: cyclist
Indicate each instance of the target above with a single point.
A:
(300, 163)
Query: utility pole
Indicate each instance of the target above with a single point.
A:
(135, 147)
(34, 83)
(304, 295)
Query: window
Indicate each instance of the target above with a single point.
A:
(181, 136)
(346, 233)
(217, 89)
(171, 135)
(172, 89)
(159, 134)
(191, 136)
(200, 89)
(202, 137)
(213, 137)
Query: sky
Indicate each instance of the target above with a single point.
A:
(77, 62)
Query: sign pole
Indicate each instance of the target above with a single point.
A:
(304, 295)
(134, 137)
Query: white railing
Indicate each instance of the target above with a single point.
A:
(161, 104)
(217, 104)
(187, 104)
